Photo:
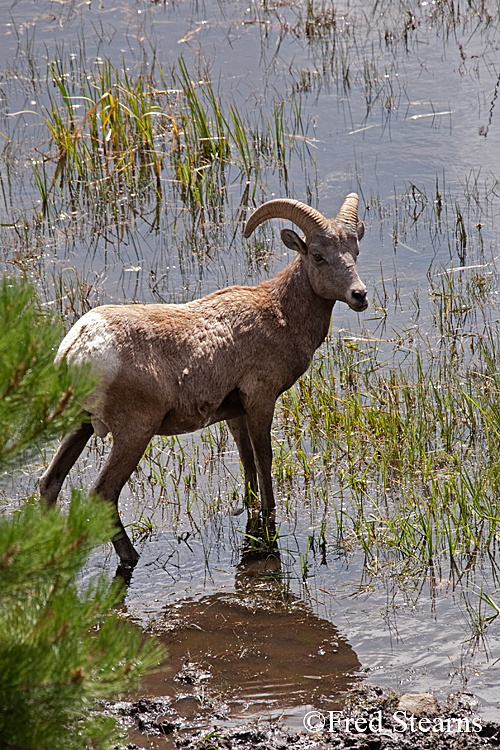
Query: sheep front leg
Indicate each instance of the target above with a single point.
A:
(126, 453)
(259, 421)
(239, 431)
(65, 457)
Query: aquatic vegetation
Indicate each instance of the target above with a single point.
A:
(127, 176)
(117, 141)
(402, 435)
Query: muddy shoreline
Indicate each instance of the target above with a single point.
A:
(373, 719)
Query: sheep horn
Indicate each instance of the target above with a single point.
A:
(306, 218)
(348, 213)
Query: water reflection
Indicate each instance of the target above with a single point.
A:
(260, 554)
(403, 100)
(260, 650)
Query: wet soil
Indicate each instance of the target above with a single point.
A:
(256, 668)
(371, 719)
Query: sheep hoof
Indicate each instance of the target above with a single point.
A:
(125, 551)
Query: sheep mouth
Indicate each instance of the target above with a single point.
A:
(359, 307)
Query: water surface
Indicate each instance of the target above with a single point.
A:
(398, 103)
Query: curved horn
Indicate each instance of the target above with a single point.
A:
(348, 213)
(306, 218)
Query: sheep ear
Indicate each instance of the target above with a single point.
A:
(360, 229)
(293, 241)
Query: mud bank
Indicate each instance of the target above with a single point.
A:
(372, 719)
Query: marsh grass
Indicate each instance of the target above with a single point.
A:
(115, 142)
(104, 130)
(414, 444)
(388, 445)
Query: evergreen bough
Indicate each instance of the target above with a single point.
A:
(37, 400)
(62, 645)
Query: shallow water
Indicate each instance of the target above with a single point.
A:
(393, 114)
(273, 646)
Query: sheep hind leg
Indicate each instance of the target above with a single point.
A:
(65, 457)
(125, 455)
(239, 430)
(259, 421)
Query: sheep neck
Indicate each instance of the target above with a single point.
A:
(304, 311)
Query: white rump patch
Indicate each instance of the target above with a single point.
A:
(91, 341)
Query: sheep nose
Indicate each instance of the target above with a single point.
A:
(359, 298)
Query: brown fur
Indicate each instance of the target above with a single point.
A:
(227, 356)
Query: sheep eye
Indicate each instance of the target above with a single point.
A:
(317, 257)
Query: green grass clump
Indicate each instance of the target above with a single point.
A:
(116, 141)
(105, 130)
(414, 445)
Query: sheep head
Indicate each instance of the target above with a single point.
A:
(329, 248)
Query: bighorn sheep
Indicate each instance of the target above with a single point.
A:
(171, 369)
